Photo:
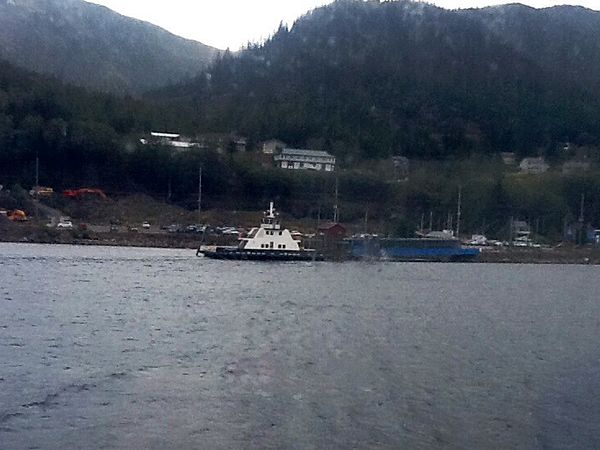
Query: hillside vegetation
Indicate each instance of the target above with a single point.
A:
(368, 79)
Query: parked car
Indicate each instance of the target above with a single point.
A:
(65, 224)
(146, 225)
(173, 228)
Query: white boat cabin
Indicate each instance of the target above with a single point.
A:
(270, 236)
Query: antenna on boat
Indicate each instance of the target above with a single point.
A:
(271, 209)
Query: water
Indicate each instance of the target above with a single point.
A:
(142, 348)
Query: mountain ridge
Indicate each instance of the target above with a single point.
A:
(95, 47)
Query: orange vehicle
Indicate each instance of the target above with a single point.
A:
(84, 192)
(16, 215)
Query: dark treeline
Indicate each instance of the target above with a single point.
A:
(80, 137)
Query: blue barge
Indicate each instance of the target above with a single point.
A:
(416, 249)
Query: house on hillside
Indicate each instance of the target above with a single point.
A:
(273, 146)
(401, 167)
(222, 142)
(174, 140)
(240, 144)
(534, 166)
(299, 159)
(508, 158)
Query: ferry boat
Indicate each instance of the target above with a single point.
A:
(268, 242)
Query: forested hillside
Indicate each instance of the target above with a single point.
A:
(364, 80)
(370, 79)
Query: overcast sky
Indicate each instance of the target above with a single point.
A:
(233, 23)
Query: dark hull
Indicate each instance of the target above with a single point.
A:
(261, 255)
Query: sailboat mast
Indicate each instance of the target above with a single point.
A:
(458, 211)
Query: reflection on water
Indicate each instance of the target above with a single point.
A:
(143, 348)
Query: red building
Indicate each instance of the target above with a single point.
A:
(332, 230)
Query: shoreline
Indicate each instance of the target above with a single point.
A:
(557, 255)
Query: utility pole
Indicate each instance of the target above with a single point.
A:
(37, 171)
(581, 220)
(169, 192)
(36, 190)
(458, 211)
(199, 192)
(319, 216)
(335, 206)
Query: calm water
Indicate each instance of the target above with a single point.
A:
(142, 348)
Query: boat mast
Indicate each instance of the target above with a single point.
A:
(458, 211)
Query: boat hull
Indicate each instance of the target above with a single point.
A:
(260, 255)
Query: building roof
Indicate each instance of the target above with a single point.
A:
(302, 152)
(165, 135)
(331, 225)
(534, 160)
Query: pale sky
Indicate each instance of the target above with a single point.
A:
(234, 23)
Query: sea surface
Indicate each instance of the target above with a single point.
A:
(128, 348)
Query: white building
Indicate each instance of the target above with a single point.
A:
(533, 165)
(169, 139)
(297, 159)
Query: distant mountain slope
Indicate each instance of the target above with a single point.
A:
(92, 46)
(563, 40)
(370, 79)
